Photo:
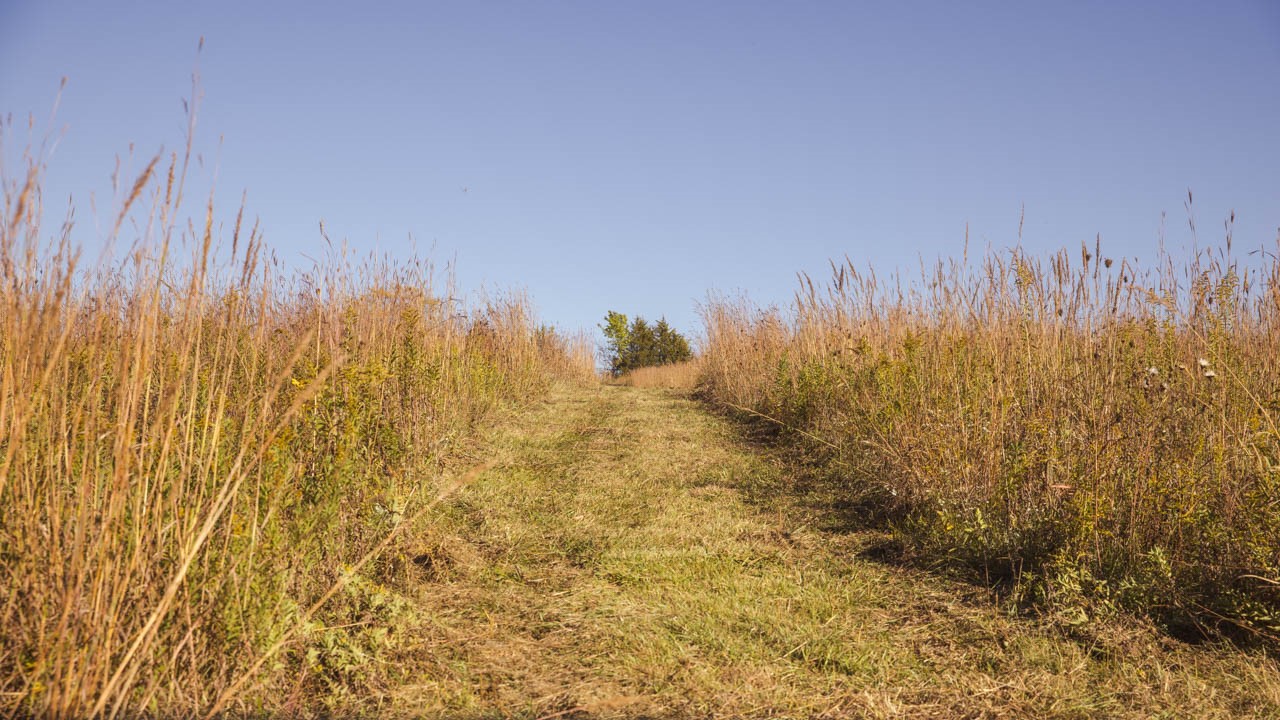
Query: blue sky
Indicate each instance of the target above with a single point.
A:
(633, 156)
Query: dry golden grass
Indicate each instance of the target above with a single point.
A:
(676, 376)
(1087, 429)
(569, 356)
(231, 490)
(198, 455)
(629, 555)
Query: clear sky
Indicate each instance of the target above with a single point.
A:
(634, 155)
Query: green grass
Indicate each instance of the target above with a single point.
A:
(631, 555)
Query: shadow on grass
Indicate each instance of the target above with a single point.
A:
(815, 484)
(818, 487)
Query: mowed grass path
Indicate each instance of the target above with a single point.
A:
(630, 555)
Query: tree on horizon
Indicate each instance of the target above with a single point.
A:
(637, 344)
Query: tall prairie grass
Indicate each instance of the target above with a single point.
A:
(200, 453)
(672, 376)
(1087, 427)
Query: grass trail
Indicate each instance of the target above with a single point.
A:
(630, 555)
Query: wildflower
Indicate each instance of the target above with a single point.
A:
(1210, 374)
(1153, 370)
(1204, 363)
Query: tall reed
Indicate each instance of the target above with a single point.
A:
(1086, 426)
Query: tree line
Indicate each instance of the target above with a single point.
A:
(635, 343)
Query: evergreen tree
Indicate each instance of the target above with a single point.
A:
(672, 347)
(642, 350)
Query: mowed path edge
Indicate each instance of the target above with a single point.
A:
(630, 555)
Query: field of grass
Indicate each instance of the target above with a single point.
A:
(204, 462)
(1092, 435)
(630, 555)
(232, 489)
